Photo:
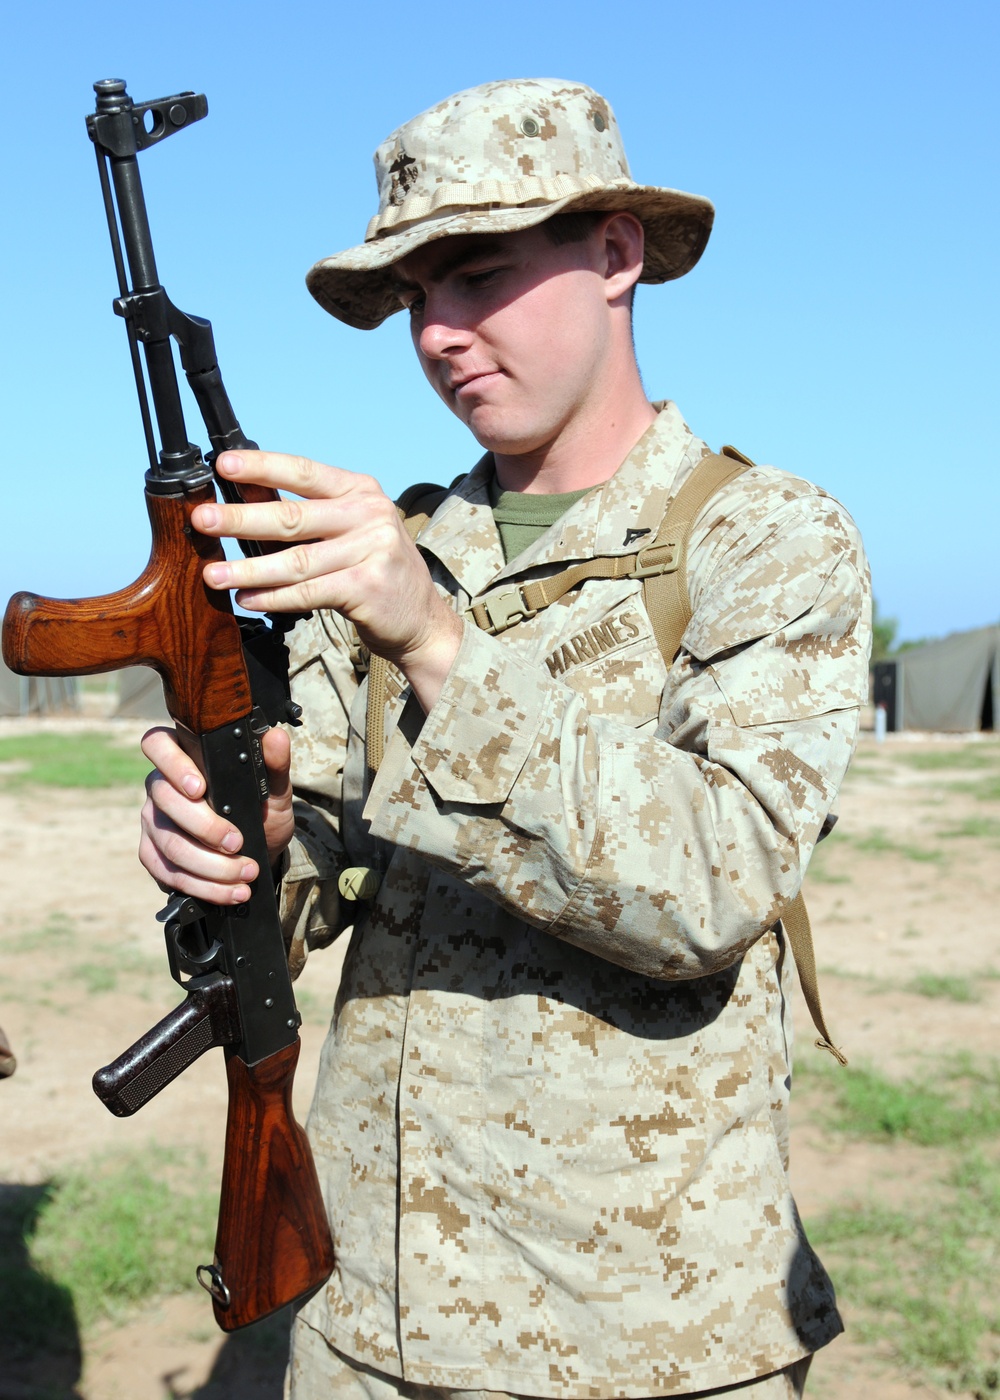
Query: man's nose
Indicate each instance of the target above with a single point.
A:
(442, 335)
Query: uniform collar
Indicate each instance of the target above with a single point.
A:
(615, 518)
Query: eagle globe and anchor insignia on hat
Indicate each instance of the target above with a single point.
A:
(495, 159)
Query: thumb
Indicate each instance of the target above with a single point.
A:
(277, 748)
(279, 819)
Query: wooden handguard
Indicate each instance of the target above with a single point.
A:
(273, 1243)
(166, 619)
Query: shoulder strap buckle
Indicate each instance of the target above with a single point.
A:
(505, 609)
(662, 557)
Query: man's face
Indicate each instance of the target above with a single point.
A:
(511, 330)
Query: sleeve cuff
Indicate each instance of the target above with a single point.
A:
(477, 737)
(308, 900)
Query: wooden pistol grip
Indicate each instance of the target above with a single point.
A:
(166, 619)
(273, 1243)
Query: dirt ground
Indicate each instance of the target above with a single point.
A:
(909, 885)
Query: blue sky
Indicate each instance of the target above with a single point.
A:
(842, 323)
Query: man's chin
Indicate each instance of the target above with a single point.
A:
(495, 433)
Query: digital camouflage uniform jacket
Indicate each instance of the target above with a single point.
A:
(551, 1117)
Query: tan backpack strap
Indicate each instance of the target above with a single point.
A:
(416, 506)
(669, 608)
(418, 503)
(666, 594)
(795, 922)
(656, 561)
(498, 611)
(378, 676)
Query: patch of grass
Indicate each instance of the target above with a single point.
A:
(867, 770)
(875, 843)
(819, 866)
(119, 1232)
(874, 986)
(58, 931)
(109, 966)
(985, 790)
(96, 977)
(964, 1108)
(84, 760)
(919, 1277)
(105, 968)
(821, 874)
(987, 828)
(938, 985)
(970, 756)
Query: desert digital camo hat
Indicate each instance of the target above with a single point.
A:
(493, 159)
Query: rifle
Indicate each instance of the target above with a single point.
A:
(225, 682)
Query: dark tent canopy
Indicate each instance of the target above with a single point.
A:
(949, 685)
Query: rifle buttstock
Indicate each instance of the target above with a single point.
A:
(273, 1244)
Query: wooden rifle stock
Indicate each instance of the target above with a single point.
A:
(273, 1241)
(166, 619)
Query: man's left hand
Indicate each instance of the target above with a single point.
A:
(347, 549)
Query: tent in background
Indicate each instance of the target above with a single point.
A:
(140, 695)
(37, 695)
(952, 685)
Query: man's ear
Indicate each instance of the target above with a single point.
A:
(623, 241)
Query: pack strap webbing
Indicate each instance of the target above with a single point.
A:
(660, 565)
(498, 611)
(668, 604)
(798, 930)
(666, 595)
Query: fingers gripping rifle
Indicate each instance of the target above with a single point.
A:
(225, 683)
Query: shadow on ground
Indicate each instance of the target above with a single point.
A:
(40, 1355)
(250, 1366)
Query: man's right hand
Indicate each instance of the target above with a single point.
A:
(184, 844)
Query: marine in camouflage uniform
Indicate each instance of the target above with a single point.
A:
(562, 1042)
(551, 1116)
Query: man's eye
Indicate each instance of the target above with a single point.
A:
(483, 278)
(414, 306)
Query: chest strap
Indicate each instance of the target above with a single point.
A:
(661, 565)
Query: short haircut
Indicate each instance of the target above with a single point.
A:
(576, 226)
(572, 226)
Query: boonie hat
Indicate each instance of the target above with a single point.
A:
(494, 159)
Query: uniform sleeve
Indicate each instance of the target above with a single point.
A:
(670, 848)
(324, 682)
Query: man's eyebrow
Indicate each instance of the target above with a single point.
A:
(450, 262)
